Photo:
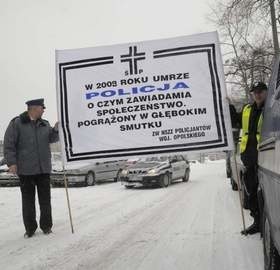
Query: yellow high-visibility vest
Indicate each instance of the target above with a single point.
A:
(245, 127)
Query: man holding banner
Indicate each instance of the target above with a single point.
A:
(27, 152)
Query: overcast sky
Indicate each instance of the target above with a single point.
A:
(31, 30)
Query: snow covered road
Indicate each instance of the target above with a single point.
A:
(193, 226)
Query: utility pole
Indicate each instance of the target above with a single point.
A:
(274, 27)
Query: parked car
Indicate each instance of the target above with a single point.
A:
(159, 171)
(269, 173)
(240, 172)
(85, 174)
(236, 133)
(6, 178)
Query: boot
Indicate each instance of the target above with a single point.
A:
(29, 234)
(47, 231)
(254, 228)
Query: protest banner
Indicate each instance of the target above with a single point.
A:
(143, 98)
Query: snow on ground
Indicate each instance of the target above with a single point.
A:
(194, 225)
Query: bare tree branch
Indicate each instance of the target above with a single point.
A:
(247, 45)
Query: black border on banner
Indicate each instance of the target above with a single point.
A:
(70, 156)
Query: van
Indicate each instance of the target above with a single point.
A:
(269, 172)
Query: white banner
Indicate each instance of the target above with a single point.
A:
(143, 98)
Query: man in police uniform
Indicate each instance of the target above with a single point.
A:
(27, 153)
(252, 117)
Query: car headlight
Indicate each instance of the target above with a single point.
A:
(124, 172)
(153, 172)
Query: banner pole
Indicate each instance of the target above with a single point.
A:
(239, 192)
(68, 200)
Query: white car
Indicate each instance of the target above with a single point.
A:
(159, 171)
(85, 174)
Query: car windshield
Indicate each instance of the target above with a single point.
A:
(155, 159)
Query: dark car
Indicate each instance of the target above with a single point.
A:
(269, 173)
(156, 171)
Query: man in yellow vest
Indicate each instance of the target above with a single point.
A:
(252, 116)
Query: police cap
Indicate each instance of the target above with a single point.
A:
(259, 86)
(36, 102)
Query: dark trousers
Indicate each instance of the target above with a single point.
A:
(251, 184)
(28, 184)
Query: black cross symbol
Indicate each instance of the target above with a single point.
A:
(132, 57)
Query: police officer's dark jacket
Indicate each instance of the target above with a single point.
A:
(27, 145)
